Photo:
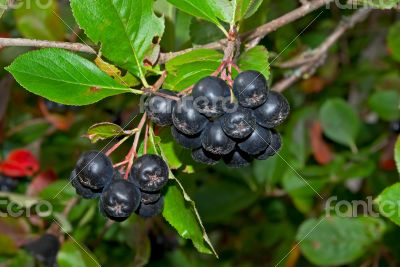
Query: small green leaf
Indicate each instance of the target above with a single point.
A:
(397, 153)
(393, 40)
(255, 59)
(187, 69)
(104, 130)
(340, 122)
(386, 104)
(333, 241)
(125, 29)
(64, 77)
(73, 253)
(245, 8)
(389, 203)
(36, 20)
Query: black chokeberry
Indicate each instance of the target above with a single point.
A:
(239, 124)
(237, 159)
(120, 199)
(152, 209)
(258, 141)
(273, 112)
(150, 173)
(200, 155)
(81, 190)
(150, 197)
(159, 109)
(210, 94)
(7, 184)
(215, 140)
(250, 89)
(273, 148)
(94, 170)
(44, 249)
(186, 118)
(187, 141)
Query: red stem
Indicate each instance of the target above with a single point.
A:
(114, 147)
(116, 165)
(146, 138)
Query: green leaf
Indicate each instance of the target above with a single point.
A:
(104, 130)
(74, 254)
(389, 203)
(125, 29)
(8, 245)
(211, 10)
(386, 104)
(256, 59)
(340, 122)
(40, 20)
(381, 4)
(393, 40)
(187, 69)
(338, 240)
(180, 211)
(63, 77)
(397, 153)
(245, 8)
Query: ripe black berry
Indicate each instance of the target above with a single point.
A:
(210, 94)
(7, 184)
(151, 197)
(273, 112)
(187, 141)
(239, 124)
(44, 249)
(150, 173)
(273, 148)
(258, 141)
(151, 210)
(237, 159)
(81, 190)
(94, 170)
(215, 140)
(186, 118)
(159, 109)
(250, 89)
(120, 199)
(200, 155)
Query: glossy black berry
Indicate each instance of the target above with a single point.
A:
(237, 159)
(250, 89)
(94, 170)
(159, 109)
(150, 173)
(186, 118)
(44, 249)
(215, 140)
(152, 209)
(273, 112)
(120, 199)
(81, 190)
(7, 184)
(239, 124)
(273, 148)
(150, 197)
(210, 94)
(258, 141)
(187, 141)
(200, 155)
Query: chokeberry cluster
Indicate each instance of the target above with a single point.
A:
(95, 177)
(217, 128)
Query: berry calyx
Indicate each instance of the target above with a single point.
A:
(150, 173)
(159, 109)
(258, 141)
(151, 209)
(186, 118)
(215, 140)
(94, 170)
(210, 94)
(187, 141)
(250, 89)
(273, 112)
(239, 124)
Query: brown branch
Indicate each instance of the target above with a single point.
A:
(315, 59)
(78, 47)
